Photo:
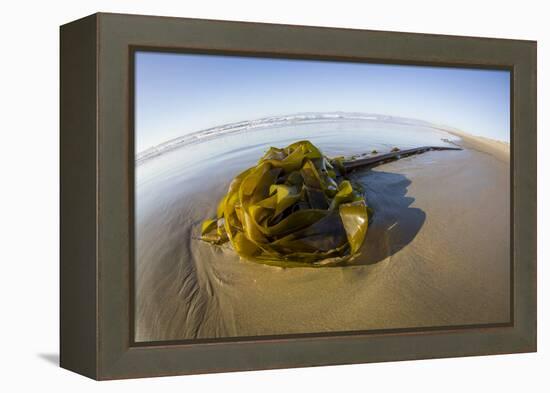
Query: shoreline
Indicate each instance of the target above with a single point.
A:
(436, 254)
(498, 149)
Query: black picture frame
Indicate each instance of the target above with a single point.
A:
(97, 180)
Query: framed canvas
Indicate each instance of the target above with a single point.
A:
(242, 196)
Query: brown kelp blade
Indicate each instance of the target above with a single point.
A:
(295, 207)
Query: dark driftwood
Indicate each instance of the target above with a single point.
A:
(394, 155)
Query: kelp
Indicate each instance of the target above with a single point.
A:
(294, 208)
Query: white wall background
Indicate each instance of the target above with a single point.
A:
(29, 194)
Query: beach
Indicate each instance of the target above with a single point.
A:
(436, 254)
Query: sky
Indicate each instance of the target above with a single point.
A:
(176, 94)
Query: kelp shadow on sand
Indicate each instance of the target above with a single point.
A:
(395, 223)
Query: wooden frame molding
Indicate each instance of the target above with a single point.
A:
(97, 164)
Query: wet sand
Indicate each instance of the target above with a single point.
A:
(436, 254)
